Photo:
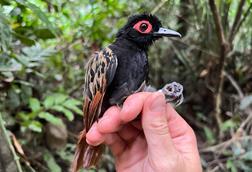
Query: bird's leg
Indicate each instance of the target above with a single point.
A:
(173, 92)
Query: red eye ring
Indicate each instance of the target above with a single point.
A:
(138, 25)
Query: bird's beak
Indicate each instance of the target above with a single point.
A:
(166, 32)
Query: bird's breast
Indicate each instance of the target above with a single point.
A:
(131, 72)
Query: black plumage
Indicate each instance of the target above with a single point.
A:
(132, 70)
(113, 74)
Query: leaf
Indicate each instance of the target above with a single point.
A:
(23, 116)
(24, 39)
(41, 16)
(36, 53)
(4, 2)
(246, 167)
(245, 102)
(72, 104)
(228, 124)
(13, 100)
(54, 99)
(48, 102)
(50, 118)
(9, 77)
(35, 126)
(5, 33)
(44, 33)
(247, 156)
(59, 98)
(230, 165)
(34, 56)
(26, 91)
(66, 112)
(51, 163)
(11, 66)
(66, 153)
(34, 104)
(249, 1)
(209, 135)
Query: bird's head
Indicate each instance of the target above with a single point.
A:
(144, 29)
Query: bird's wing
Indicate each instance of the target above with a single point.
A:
(100, 72)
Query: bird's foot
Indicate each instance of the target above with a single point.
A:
(173, 93)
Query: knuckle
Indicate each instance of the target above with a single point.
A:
(159, 126)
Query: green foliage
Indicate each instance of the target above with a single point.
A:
(231, 166)
(228, 124)
(44, 46)
(48, 110)
(36, 10)
(238, 160)
(51, 163)
(209, 135)
(5, 34)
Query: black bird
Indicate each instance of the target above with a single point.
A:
(114, 73)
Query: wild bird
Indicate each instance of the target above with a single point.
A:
(116, 72)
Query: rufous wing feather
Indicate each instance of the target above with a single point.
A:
(100, 73)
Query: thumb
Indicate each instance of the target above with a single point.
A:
(155, 126)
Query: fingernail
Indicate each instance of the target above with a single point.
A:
(104, 118)
(126, 105)
(158, 102)
(91, 130)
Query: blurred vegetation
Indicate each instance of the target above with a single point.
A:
(44, 45)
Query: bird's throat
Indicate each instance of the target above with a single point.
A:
(130, 44)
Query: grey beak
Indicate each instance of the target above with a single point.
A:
(167, 32)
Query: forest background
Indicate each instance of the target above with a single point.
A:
(44, 45)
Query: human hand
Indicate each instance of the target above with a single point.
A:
(160, 141)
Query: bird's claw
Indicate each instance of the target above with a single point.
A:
(173, 93)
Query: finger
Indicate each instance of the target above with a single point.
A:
(129, 153)
(133, 106)
(183, 137)
(94, 137)
(137, 124)
(181, 133)
(154, 121)
(115, 143)
(110, 122)
(128, 133)
(177, 125)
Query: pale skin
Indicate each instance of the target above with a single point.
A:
(160, 141)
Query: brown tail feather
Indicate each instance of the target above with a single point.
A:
(85, 155)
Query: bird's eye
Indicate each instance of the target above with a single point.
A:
(143, 26)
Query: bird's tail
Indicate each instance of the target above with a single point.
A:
(85, 154)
